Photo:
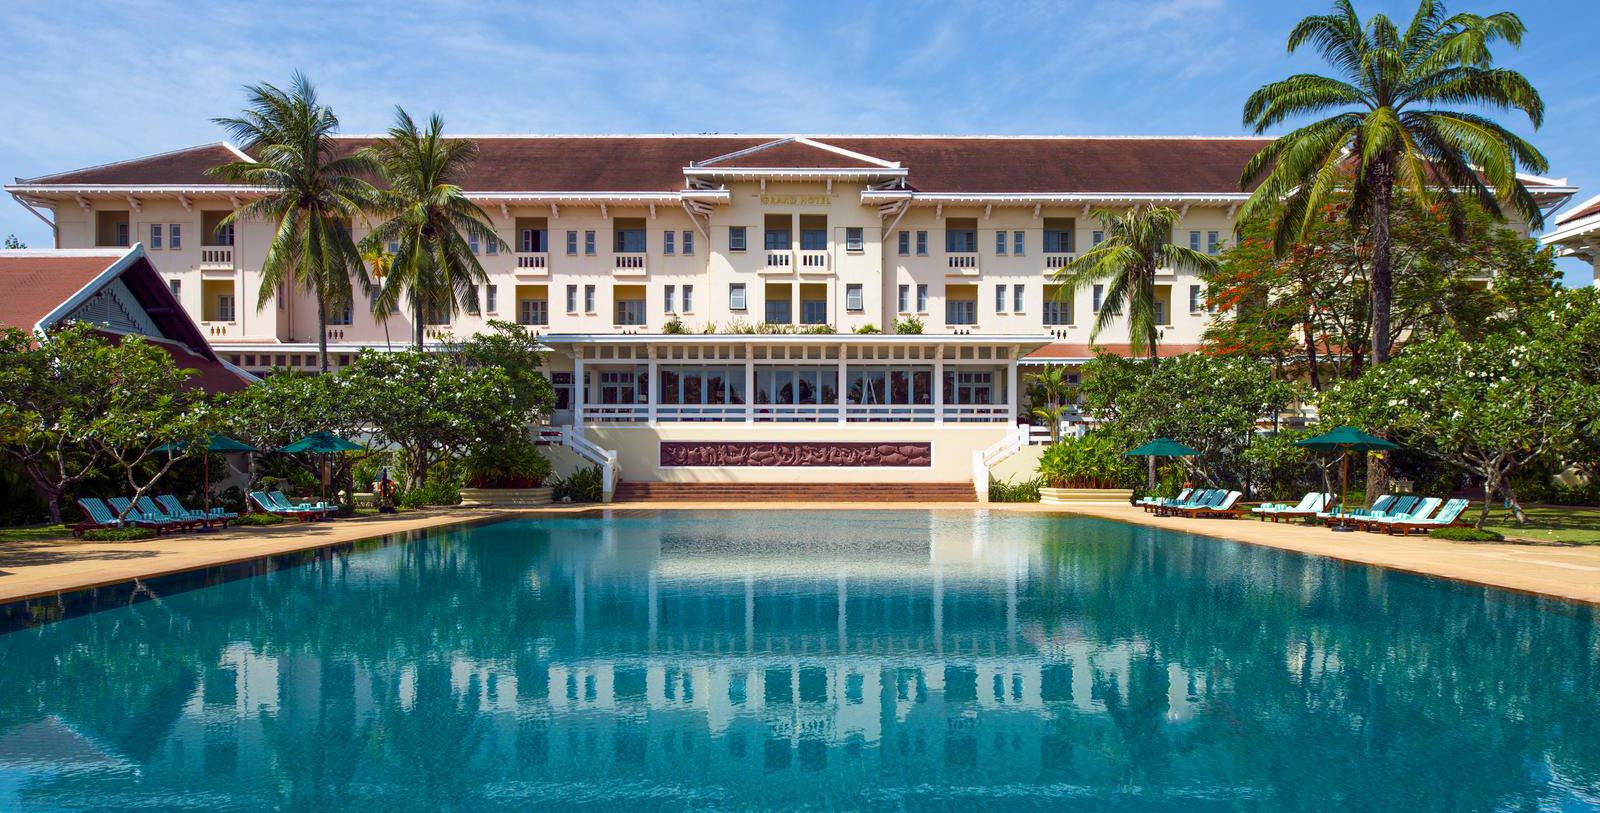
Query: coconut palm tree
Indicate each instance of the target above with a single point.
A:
(1054, 394)
(310, 191)
(428, 219)
(1137, 243)
(1397, 101)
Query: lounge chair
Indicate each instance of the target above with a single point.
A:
(1309, 506)
(1219, 507)
(1152, 503)
(1418, 509)
(100, 516)
(272, 506)
(1380, 507)
(1195, 499)
(300, 506)
(217, 516)
(131, 513)
(1448, 515)
(147, 505)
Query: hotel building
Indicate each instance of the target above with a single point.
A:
(614, 244)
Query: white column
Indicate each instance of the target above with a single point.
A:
(651, 386)
(749, 383)
(579, 393)
(844, 350)
(1011, 391)
(938, 385)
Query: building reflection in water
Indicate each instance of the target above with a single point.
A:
(787, 658)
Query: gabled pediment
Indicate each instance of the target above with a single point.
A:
(797, 152)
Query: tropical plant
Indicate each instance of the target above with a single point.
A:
(517, 463)
(675, 327)
(582, 485)
(1137, 244)
(1015, 490)
(310, 191)
(1051, 392)
(908, 326)
(1393, 127)
(427, 220)
(1093, 460)
(867, 330)
(14, 242)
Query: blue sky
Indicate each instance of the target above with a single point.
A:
(85, 83)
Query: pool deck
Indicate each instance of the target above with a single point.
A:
(33, 569)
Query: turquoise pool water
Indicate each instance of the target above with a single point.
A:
(901, 660)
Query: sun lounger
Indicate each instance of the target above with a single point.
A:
(131, 513)
(1403, 508)
(1380, 507)
(285, 502)
(1195, 499)
(100, 516)
(1218, 508)
(1152, 503)
(177, 509)
(283, 509)
(1448, 515)
(1309, 506)
(149, 508)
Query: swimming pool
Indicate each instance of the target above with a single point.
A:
(765, 659)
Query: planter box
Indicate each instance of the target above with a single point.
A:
(505, 497)
(1066, 496)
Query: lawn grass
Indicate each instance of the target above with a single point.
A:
(34, 533)
(1546, 523)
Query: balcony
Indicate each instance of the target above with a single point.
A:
(630, 264)
(963, 263)
(1055, 262)
(534, 263)
(216, 258)
(780, 260)
(221, 330)
(814, 261)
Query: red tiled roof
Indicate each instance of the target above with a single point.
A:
(1066, 350)
(211, 376)
(186, 166)
(656, 163)
(35, 284)
(1591, 209)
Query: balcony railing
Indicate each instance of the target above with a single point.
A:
(795, 413)
(216, 257)
(1054, 262)
(963, 261)
(780, 259)
(221, 330)
(814, 260)
(532, 261)
(631, 261)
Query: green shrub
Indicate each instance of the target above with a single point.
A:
(868, 330)
(675, 327)
(1466, 535)
(259, 519)
(1092, 461)
(1014, 491)
(909, 326)
(583, 485)
(515, 464)
(817, 329)
(118, 534)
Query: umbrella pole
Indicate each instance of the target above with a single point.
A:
(1152, 484)
(1344, 491)
(207, 468)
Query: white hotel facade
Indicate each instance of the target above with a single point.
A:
(613, 238)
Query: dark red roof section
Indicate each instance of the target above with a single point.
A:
(656, 163)
(210, 374)
(187, 167)
(35, 285)
(1591, 209)
(1068, 350)
(794, 155)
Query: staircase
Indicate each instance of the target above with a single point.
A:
(794, 492)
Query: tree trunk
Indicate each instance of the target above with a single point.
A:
(1311, 357)
(1382, 263)
(1488, 495)
(418, 332)
(322, 331)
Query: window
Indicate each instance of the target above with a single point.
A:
(668, 242)
(736, 296)
(1016, 298)
(922, 297)
(1196, 298)
(960, 235)
(472, 240)
(491, 245)
(688, 297)
(436, 315)
(572, 242)
(174, 236)
(777, 238)
(1194, 241)
(628, 236)
(688, 243)
(778, 312)
(122, 233)
(491, 298)
(624, 387)
(1057, 235)
(337, 315)
(629, 312)
(225, 308)
(813, 311)
(531, 239)
(572, 299)
(533, 312)
(588, 299)
(588, 242)
(961, 387)
(155, 235)
(1017, 243)
(922, 244)
(1057, 308)
(904, 299)
(473, 306)
(854, 239)
(1099, 296)
(905, 243)
(813, 239)
(668, 295)
(176, 287)
(1000, 242)
(853, 300)
(1000, 299)
(1213, 242)
(960, 312)
(736, 238)
(1098, 237)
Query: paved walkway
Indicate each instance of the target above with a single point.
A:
(29, 569)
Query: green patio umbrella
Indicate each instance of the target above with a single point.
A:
(221, 444)
(1346, 439)
(1160, 447)
(323, 443)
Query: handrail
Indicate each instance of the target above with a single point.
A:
(573, 438)
(985, 459)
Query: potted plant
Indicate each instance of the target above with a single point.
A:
(507, 474)
(1085, 468)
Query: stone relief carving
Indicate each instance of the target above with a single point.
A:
(918, 454)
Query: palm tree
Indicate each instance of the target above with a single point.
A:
(310, 191)
(1054, 393)
(428, 218)
(1137, 243)
(1391, 127)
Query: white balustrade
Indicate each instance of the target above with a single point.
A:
(632, 261)
(963, 261)
(779, 259)
(814, 260)
(216, 257)
(533, 261)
